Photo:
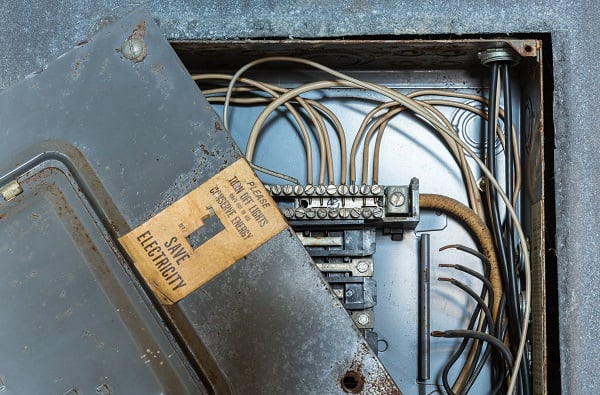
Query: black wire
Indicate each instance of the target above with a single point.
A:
(504, 351)
(471, 251)
(488, 288)
(480, 302)
(510, 240)
(508, 272)
(452, 360)
(489, 323)
(499, 376)
(477, 366)
(486, 283)
(461, 348)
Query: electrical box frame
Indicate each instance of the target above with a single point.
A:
(376, 57)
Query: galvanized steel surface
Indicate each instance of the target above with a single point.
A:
(34, 33)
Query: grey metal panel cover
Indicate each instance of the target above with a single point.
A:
(100, 144)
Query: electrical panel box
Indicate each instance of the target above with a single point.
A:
(428, 69)
(364, 290)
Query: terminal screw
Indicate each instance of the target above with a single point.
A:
(300, 212)
(362, 266)
(322, 213)
(397, 199)
(363, 319)
(344, 213)
(375, 189)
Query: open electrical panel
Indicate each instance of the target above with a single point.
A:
(405, 262)
(414, 261)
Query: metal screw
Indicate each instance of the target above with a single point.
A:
(310, 213)
(331, 189)
(367, 212)
(309, 190)
(353, 189)
(397, 199)
(288, 212)
(276, 189)
(364, 189)
(343, 190)
(333, 212)
(375, 189)
(300, 212)
(287, 189)
(349, 293)
(344, 213)
(298, 189)
(355, 213)
(320, 189)
(363, 319)
(378, 212)
(362, 266)
(322, 212)
(133, 48)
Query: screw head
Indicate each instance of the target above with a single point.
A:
(300, 212)
(397, 199)
(355, 213)
(378, 212)
(364, 189)
(343, 190)
(363, 319)
(367, 212)
(331, 189)
(362, 266)
(133, 48)
(309, 190)
(344, 213)
(349, 293)
(353, 189)
(311, 213)
(298, 189)
(288, 212)
(333, 212)
(320, 189)
(276, 189)
(375, 189)
(322, 213)
(287, 189)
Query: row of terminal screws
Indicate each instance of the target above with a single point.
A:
(324, 190)
(333, 213)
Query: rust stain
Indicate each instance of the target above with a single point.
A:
(353, 380)
(138, 34)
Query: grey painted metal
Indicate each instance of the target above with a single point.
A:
(135, 137)
(33, 33)
(72, 318)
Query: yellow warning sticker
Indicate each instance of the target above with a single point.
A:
(204, 232)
